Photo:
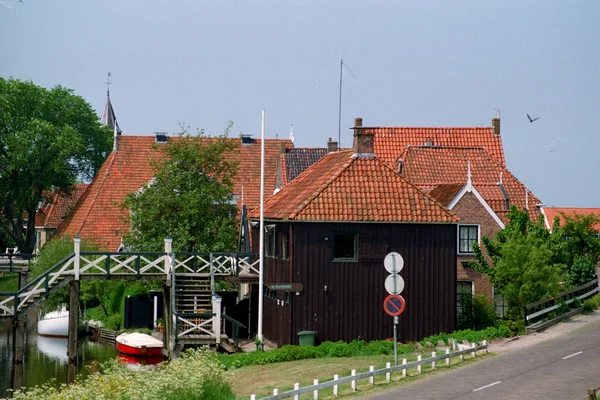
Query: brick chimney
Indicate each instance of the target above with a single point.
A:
(363, 143)
(496, 125)
(332, 146)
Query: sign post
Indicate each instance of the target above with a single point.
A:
(394, 304)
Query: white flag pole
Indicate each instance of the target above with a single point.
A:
(262, 231)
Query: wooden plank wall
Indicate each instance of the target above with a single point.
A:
(343, 300)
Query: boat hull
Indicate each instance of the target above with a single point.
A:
(54, 327)
(139, 344)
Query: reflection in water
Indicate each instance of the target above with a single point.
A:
(45, 359)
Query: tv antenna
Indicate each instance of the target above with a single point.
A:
(342, 65)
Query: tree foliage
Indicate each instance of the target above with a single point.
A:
(190, 198)
(48, 139)
(530, 262)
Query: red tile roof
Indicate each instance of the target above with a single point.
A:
(446, 193)
(57, 206)
(552, 212)
(99, 216)
(390, 142)
(429, 167)
(345, 188)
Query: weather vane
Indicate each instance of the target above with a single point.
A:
(108, 82)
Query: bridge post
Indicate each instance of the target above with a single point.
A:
(19, 338)
(72, 350)
(76, 260)
(169, 260)
(216, 309)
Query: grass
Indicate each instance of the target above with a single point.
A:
(9, 282)
(262, 379)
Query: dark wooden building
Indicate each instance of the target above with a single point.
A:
(328, 231)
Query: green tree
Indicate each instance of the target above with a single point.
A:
(48, 139)
(579, 246)
(190, 198)
(524, 273)
(526, 261)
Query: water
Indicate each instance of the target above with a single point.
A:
(45, 358)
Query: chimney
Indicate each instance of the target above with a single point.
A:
(496, 125)
(332, 146)
(363, 143)
(282, 148)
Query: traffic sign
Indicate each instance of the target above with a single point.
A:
(393, 262)
(394, 305)
(394, 284)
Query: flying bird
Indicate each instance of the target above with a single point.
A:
(532, 119)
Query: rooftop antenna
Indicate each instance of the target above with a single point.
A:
(108, 82)
(342, 65)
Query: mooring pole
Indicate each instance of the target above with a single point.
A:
(72, 351)
(19, 337)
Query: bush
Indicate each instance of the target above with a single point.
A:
(476, 313)
(196, 375)
(592, 304)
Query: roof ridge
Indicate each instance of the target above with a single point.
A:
(323, 186)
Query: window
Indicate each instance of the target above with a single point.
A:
(464, 297)
(345, 247)
(271, 241)
(467, 235)
(285, 244)
(500, 304)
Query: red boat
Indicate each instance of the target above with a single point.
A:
(139, 344)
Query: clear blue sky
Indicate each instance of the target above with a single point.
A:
(415, 63)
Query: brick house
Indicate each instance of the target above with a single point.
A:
(478, 189)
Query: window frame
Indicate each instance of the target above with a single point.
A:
(459, 239)
(344, 259)
(458, 294)
(271, 242)
(285, 244)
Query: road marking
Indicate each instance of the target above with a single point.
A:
(487, 386)
(572, 355)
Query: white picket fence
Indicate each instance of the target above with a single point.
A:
(354, 377)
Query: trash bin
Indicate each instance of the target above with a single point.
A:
(307, 338)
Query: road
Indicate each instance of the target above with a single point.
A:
(560, 368)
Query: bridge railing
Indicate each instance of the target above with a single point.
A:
(161, 265)
(10, 261)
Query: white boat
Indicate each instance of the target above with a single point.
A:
(54, 324)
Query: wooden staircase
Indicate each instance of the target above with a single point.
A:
(193, 294)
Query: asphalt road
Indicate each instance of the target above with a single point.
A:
(562, 368)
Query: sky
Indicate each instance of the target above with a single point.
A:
(200, 64)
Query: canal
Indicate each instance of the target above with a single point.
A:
(45, 358)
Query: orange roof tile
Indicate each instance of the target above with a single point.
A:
(429, 167)
(57, 206)
(390, 142)
(344, 187)
(550, 213)
(98, 216)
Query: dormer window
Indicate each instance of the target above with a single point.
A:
(161, 137)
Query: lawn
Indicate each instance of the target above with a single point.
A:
(262, 379)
